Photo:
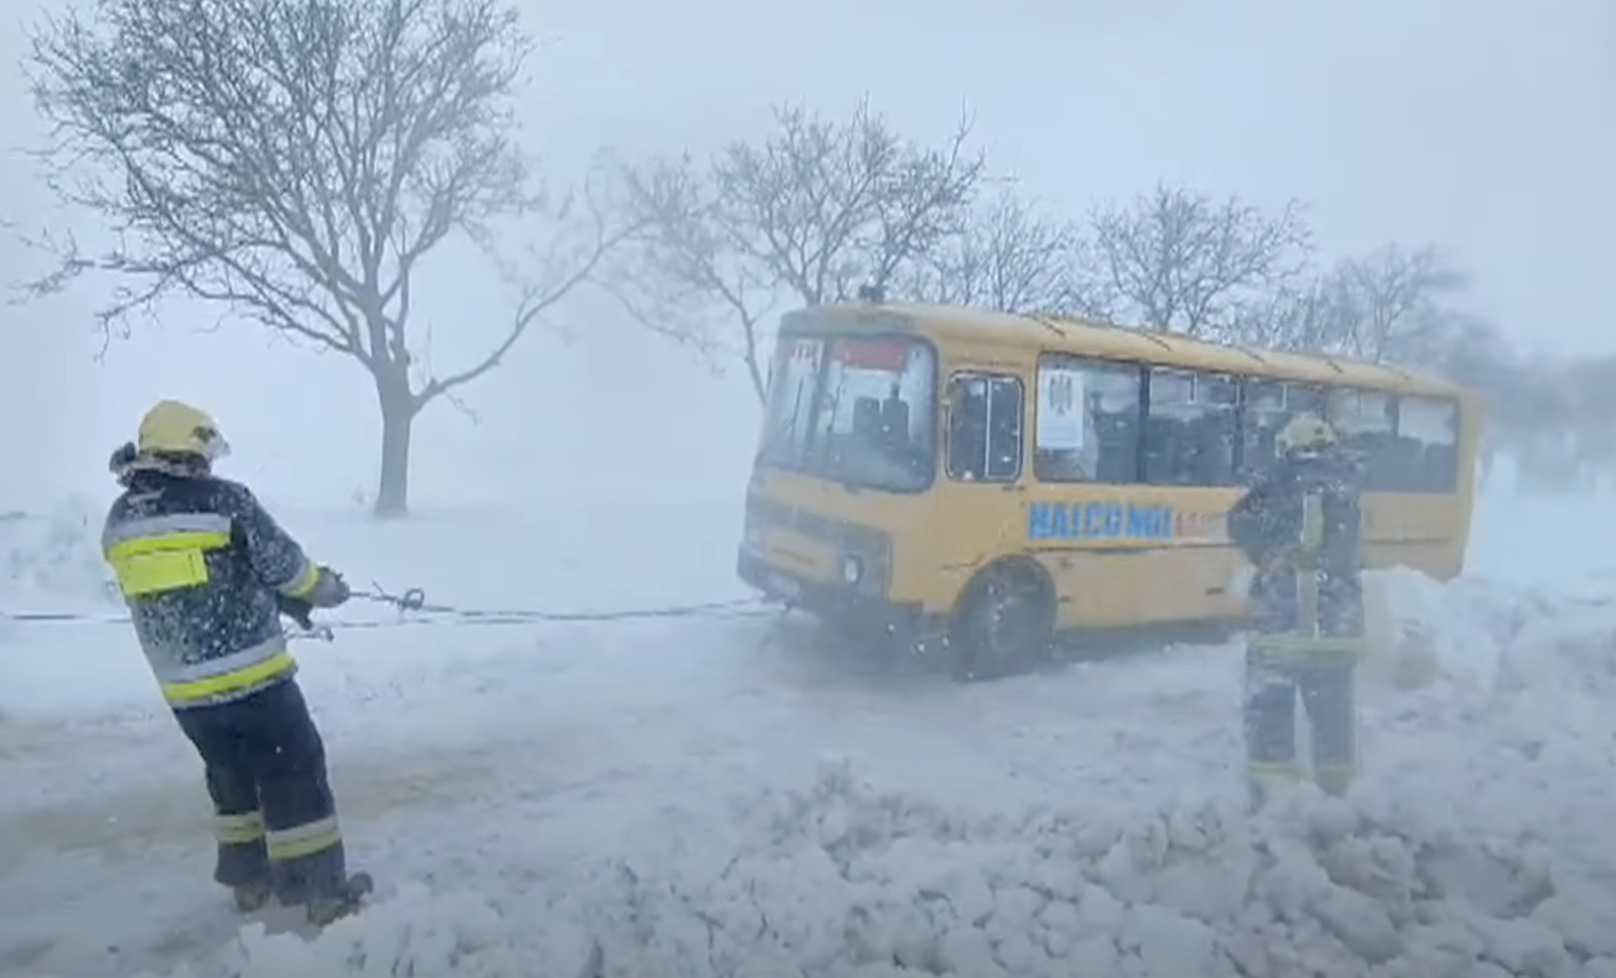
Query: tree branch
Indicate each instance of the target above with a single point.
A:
(567, 273)
(296, 162)
(1186, 263)
(812, 211)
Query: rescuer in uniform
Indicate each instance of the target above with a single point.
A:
(207, 572)
(1299, 526)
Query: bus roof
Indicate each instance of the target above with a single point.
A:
(959, 324)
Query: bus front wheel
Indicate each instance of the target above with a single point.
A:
(1005, 623)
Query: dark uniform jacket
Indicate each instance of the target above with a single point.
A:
(1300, 527)
(205, 570)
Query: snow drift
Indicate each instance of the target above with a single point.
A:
(1476, 846)
(842, 880)
(53, 557)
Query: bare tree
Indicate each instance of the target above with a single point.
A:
(1387, 305)
(1474, 351)
(1589, 384)
(691, 265)
(1537, 419)
(1314, 316)
(1466, 348)
(1396, 297)
(298, 161)
(1008, 256)
(1180, 261)
(816, 210)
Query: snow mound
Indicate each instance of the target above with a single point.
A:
(848, 881)
(1476, 635)
(1570, 643)
(417, 933)
(844, 880)
(54, 556)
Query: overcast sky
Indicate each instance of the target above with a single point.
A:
(1487, 126)
(1484, 126)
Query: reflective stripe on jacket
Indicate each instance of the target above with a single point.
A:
(200, 564)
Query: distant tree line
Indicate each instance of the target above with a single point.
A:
(298, 164)
(823, 206)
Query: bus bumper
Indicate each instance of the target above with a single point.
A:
(840, 604)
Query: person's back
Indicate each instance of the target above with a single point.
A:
(1306, 516)
(1300, 528)
(177, 542)
(206, 573)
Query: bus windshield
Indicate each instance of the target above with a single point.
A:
(854, 409)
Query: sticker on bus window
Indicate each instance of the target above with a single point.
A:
(1060, 409)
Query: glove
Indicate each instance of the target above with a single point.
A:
(330, 590)
(298, 610)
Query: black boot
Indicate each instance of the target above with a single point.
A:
(251, 897)
(329, 908)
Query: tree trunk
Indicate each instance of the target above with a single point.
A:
(398, 415)
(754, 369)
(760, 386)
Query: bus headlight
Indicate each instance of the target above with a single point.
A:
(852, 570)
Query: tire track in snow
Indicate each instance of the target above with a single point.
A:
(684, 725)
(135, 816)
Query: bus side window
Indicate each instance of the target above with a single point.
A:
(1367, 421)
(1190, 429)
(1087, 421)
(1302, 397)
(1427, 446)
(984, 428)
(1262, 415)
(1268, 404)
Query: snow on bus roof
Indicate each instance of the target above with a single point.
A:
(1118, 342)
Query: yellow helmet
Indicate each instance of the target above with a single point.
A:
(1306, 432)
(173, 428)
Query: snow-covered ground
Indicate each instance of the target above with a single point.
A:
(728, 796)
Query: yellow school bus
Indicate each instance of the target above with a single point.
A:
(978, 481)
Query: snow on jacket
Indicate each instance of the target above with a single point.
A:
(1301, 526)
(204, 569)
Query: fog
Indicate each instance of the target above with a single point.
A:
(736, 794)
(1478, 126)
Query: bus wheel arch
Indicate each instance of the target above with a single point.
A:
(1004, 620)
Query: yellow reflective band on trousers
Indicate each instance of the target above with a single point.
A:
(1274, 771)
(303, 840)
(1296, 647)
(235, 830)
(164, 553)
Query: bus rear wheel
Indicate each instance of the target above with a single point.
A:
(1004, 625)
